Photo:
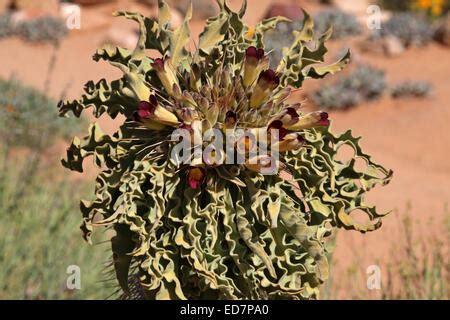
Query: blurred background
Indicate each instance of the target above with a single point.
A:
(395, 94)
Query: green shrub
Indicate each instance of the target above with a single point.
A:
(411, 29)
(344, 24)
(43, 29)
(282, 36)
(28, 117)
(6, 28)
(411, 89)
(363, 84)
(419, 268)
(416, 267)
(40, 234)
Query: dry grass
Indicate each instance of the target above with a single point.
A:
(417, 266)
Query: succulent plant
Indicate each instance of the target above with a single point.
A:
(411, 29)
(202, 228)
(365, 83)
(344, 24)
(411, 89)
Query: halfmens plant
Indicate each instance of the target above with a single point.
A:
(210, 230)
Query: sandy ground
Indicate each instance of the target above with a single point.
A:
(410, 136)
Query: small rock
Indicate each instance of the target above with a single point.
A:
(392, 46)
(290, 11)
(20, 16)
(388, 45)
(442, 31)
(122, 37)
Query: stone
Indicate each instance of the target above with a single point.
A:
(393, 46)
(389, 45)
(290, 11)
(442, 31)
(122, 37)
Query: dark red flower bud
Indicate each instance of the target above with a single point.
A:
(292, 112)
(288, 116)
(158, 64)
(270, 77)
(254, 53)
(145, 110)
(310, 120)
(324, 119)
(255, 61)
(278, 125)
(195, 177)
(230, 119)
(301, 139)
(151, 110)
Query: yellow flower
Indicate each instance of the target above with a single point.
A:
(424, 4)
(166, 73)
(437, 8)
(153, 115)
(250, 33)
